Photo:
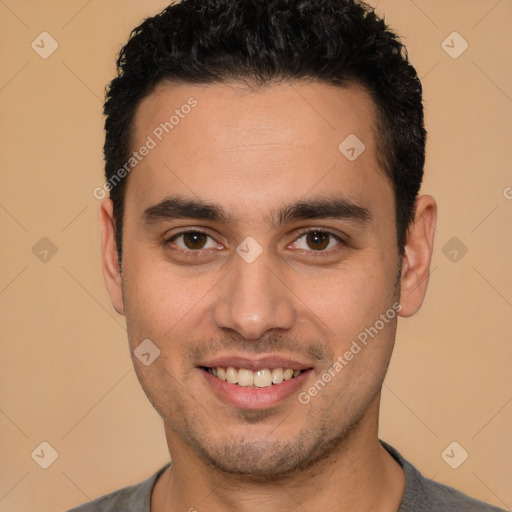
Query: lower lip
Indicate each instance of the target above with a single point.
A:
(254, 397)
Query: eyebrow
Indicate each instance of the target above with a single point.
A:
(323, 208)
(176, 207)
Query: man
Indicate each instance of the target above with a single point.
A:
(262, 235)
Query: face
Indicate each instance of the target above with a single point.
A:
(252, 247)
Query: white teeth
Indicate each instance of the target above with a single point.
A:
(261, 378)
(245, 377)
(277, 376)
(231, 375)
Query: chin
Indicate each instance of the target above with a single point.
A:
(267, 460)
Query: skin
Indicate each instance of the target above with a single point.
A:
(253, 152)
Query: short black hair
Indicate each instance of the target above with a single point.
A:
(261, 42)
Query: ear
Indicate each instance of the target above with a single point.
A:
(417, 256)
(109, 255)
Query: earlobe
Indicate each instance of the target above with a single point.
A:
(109, 256)
(417, 256)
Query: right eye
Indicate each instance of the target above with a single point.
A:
(192, 241)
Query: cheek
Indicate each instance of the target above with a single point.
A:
(353, 306)
(352, 296)
(159, 301)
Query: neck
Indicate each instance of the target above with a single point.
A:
(357, 475)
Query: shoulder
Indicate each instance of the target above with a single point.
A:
(133, 498)
(445, 498)
(422, 494)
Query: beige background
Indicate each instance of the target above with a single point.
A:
(66, 375)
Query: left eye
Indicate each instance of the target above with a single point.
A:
(193, 240)
(317, 241)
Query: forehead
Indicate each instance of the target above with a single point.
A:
(232, 144)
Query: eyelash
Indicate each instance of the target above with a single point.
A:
(197, 252)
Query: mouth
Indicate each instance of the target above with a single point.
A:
(257, 384)
(245, 377)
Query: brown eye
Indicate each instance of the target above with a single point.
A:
(194, 240)
(317, 240)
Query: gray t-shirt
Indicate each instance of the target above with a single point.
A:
(420, 495)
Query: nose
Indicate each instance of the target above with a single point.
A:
(254, 299)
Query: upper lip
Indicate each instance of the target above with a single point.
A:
(268, 361)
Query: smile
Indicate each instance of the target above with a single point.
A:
(245, 377)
